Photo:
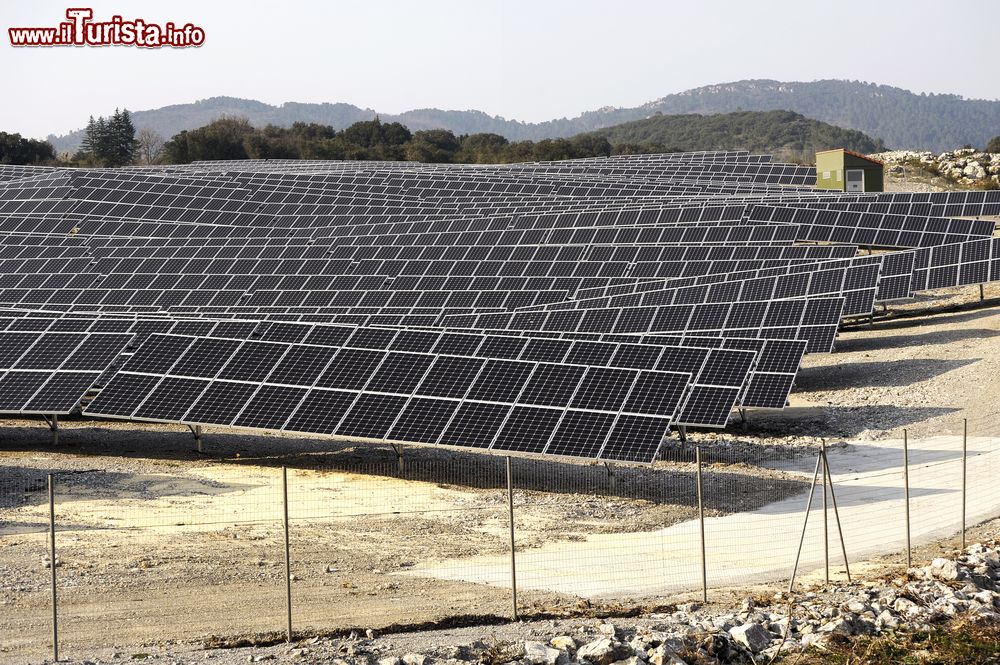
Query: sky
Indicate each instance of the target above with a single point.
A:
(529, 60)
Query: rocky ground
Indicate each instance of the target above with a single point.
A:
(965, 168)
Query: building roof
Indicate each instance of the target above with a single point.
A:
(853, 154)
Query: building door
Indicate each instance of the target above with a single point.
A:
(855, 180)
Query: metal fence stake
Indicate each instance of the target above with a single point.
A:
(906, 496)
(805, 523)
(701, 522)
(288, 554)
(52, 566)
(965, 457)
(826, 521)
(513, 561)
(836, 512)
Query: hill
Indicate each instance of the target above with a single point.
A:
(899, 117)
(781, 133)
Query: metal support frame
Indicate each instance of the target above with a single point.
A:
(401, 464)
(982, 293)
(821, 461)
(196, 433)
(513, 557)
(836, 512)
(826, 520)
(612, 481)
(53, 424)
(288, 555)
(744, 422)
(52, 567)
(701, 523)
(683, 433)
(906, 497)
(965, 457)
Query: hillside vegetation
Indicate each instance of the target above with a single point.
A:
(782, 133)
(900, 117)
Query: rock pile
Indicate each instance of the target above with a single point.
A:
(965, 166)
(942, 590)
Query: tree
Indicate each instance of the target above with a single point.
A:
(122, 145)
(15, 149)
(150, 145)
(432, 146)
(994, 145)
(89, 143)
(111, 141)
(221, 139)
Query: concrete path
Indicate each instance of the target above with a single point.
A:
(760, 546)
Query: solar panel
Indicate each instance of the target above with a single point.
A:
(507, 404)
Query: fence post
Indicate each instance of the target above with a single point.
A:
(52, 567)
(965, 457)
(826, 521)
(906, 496)
(701, 522)
(513, 562)
(288, 554)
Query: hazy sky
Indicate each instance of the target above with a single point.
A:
(529, 60)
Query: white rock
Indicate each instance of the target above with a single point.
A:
(886, 620)
(603, 651)
(662, 655)
(608, 629)
(538, 653)
(564, 643)
(389, 660)
(984, 597)
(415, 659)
(944, 569)
(752, 636)
(837, 627)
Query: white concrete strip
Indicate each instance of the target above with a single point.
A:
(760, 546)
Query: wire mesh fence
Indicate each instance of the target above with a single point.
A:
(380, 537)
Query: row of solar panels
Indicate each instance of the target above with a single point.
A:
(636, 294)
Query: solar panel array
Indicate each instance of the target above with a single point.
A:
(586, 307)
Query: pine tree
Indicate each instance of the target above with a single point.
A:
(89, 141)
(101, 141)
(122, 144)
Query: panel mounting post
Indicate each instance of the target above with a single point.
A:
(682, 432)
(982, 294)
(196, 433)
(53, 424)
(399, 458)
(611, 476)
(744, 423)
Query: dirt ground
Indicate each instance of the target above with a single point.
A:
(159, 544)
(155, 539)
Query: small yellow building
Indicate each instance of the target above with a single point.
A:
(848, 171)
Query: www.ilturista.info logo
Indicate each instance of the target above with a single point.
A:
(81, 30)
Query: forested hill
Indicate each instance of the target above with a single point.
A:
(782, 133)
(899, 117)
